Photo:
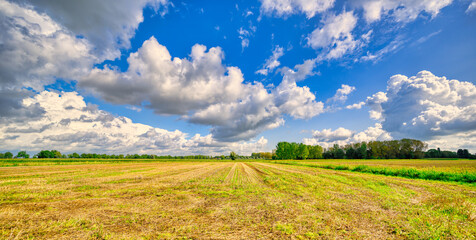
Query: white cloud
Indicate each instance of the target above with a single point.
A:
(69, 124)
(426, 38)
(341, 94)
(425, 106)
(375, 103)
(43, 40)
(327, 135)
(272, 62)
(134, 108)
(471, 7)
(36, 50)
(335, 36)
(401, 10)
(300, 71)
(297, 101)
(170, 86)
(342, 136)
(244, 35)
(392, 47)
(355, 105)
(260, 110)
(243, 119)
(288, 7)
(463, 140)
(108, 24)
(236, 111)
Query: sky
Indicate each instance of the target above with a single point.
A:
(209, 77)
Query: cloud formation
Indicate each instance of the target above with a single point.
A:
(471, 7)
(401, 10)
(69, 124)
(335, 35)
(425, 105)
(36, 50)
(272, 62)
(107, 24)
(283, 8)
(203, 90)
(341, 94)
(342, 136)
(169, 85)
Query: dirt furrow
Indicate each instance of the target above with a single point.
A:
(231, 174)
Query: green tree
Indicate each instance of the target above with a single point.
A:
(283, 150)
(315, 152)
(233, 155)
(361, 152)
(339, 154)
(303, 151)
(350, 153)
(45, 154)
(8, 155)
(22, 154)
(56, 154)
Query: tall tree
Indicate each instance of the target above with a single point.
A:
(22, 154)
(303, 151)
(8, 155)
(315, 152)
(233, 155)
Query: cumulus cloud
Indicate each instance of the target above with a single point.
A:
(203, 90)
(69, 124)
(375, 103)
(44, 40)
(335, 36)
(260, 110)
(342, 136)
(272, 62)
(36, 50)
(288, 7)
(170, 86)
(341, 94)
(300, 71)
(463, 140)
(401, 10)
(355, 105)
(108, 24)
(425, 106)
(243, 119)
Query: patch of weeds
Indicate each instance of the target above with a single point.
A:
(98, 233)
(13, 183)
(284, 228)
(465, 177)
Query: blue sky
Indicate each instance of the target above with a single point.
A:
(188, 77)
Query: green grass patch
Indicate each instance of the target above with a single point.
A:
(464, 177)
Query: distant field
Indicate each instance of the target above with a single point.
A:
(69, 161)
(439, 164)
(232, 200)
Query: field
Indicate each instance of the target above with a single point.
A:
(231, 200)
(443, 165)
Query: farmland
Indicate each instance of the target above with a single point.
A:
(232, 200)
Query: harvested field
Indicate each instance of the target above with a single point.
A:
(227, 200)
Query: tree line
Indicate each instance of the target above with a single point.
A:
(394, 149)
(58, 154)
